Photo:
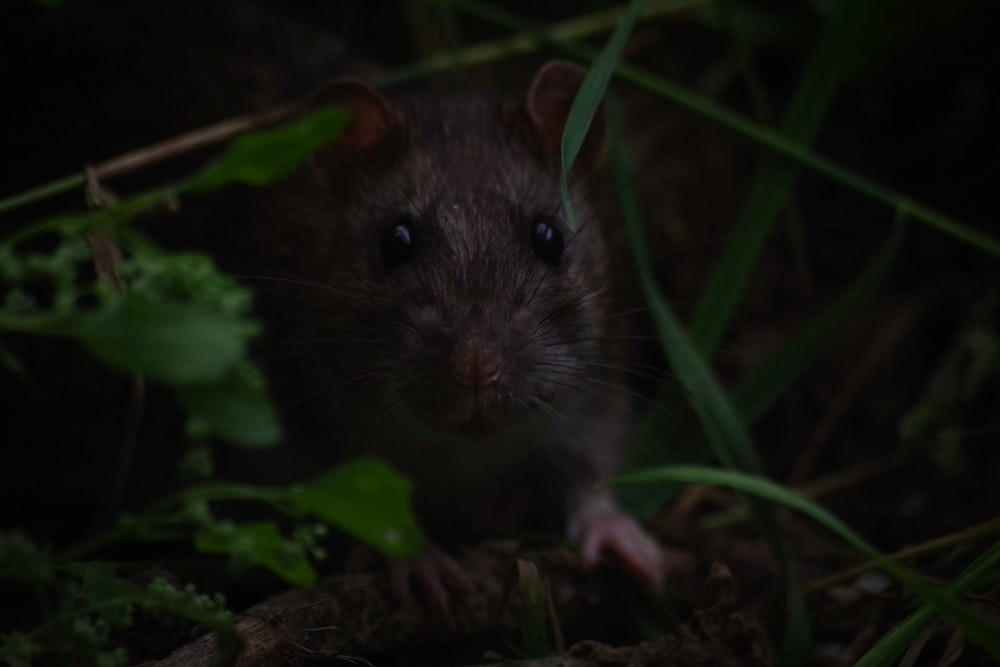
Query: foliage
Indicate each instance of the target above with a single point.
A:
(174, 319)
(181, 323)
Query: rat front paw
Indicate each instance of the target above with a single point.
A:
(610, 531)
(435, 575)
(432, 578)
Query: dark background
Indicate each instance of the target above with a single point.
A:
(919, 114)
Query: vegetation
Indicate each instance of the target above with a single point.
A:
(172, 319)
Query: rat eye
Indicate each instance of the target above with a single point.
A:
(397, 244)
(546, 240)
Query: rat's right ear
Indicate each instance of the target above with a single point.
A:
(367, 129)
(549, 100)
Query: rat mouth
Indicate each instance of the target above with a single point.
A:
(476, 428)
(472, 416)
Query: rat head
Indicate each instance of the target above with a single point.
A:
(455, 295)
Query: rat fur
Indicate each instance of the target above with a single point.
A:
(439, 313)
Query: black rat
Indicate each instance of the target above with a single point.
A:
(440, 314)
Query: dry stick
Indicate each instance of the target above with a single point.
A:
(985, 529)
(353, 614)
(150, 155)
(185, 143)
(898, 327)
(816, 489)
(107, 259)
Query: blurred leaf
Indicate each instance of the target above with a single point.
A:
(22, 561)
(236, 410)
(103, 590)
(169, 342)
(260, 158)
(369, 500)
(261, 544)
(968, 366)
(9, 361)
(533, 611)
(588, 100)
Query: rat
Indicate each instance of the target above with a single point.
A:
(449, 321)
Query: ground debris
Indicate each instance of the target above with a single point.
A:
(351, 617)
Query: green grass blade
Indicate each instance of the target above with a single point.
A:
(588, 100)
(775, 180)
(760, 391)
(888, 650)
(576, 27)
(720, 421)
(942, 603)
(531, 33)
(43, 192)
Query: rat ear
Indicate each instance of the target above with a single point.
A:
(549, 100)
(368, 128)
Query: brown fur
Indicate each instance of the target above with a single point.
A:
(374, 347)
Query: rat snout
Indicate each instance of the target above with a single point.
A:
(477, 364)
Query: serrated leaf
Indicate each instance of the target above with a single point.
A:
(260, 543)
(174, 343)
(104, 591)
(369, 500)
(237, 412)
(263, 157)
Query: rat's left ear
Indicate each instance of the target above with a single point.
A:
(549, 99)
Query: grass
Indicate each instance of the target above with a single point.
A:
(726, 416)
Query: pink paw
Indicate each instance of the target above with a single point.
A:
(609, 531)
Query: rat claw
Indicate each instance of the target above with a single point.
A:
(436, 576)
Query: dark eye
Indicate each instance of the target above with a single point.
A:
(397, 244)
(547, 241)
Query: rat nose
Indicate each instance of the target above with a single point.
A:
(477, 367)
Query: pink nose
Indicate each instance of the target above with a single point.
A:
(476, 369)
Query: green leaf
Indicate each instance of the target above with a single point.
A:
(533, 611)
(103, 590)
(977, 628)
(260, 158)
(369, 500)
(236, 411)
(169, 342)
(22, 562)
(588, 100)
(260, 543)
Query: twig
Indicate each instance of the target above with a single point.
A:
(153, 154)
